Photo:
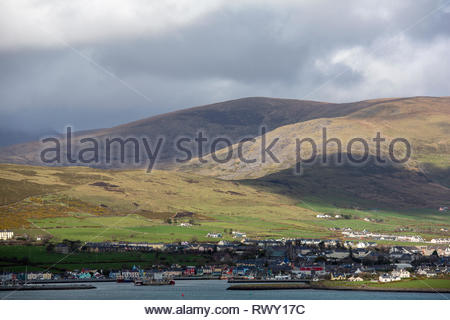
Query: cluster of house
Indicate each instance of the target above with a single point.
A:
(295, 258)
(327, 216)
(311, 248)
(175, 271)
(48, 276)
(378, 236)
(431, 272)
(9, 235)
(29, 276)
(447, 240)
(248, 269)
(395, 275)
(372, 220)
(237, 234)
(340, 216)
(84, 274)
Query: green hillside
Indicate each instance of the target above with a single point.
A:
(261, 199)
(98, 205)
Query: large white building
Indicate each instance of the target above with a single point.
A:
(440, 240)
(6, 235)
(388, 278)
(402, 274)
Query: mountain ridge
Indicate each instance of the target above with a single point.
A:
(234, 118)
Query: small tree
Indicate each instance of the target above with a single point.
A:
(194, 239)
(321, 245)
(50, 247)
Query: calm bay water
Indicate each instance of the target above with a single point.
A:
(207, 290)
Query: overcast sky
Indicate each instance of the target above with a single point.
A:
(99, 63)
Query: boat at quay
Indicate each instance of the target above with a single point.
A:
(153, 282)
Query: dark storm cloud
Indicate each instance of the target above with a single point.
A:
(281, 49)
(253, 45)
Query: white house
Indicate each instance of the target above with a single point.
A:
(362, 245)
(355, 278)
(337, 254)
(446, 252)
(185, 224)
(360, 253)
(214, 235)
(427, 272)
(402, 274)
(388, 278)
(6, 235)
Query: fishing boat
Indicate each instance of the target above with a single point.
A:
(121, 279)
(153, 282)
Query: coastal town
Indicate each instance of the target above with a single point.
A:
(253, 260)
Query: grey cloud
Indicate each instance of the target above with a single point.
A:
(282, 50)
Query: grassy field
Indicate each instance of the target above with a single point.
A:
(36, 258)
(407, 284)
(424, 222)
(96, 205)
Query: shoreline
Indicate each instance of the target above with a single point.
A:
(297, 286)
(47, 287)
(267, 281)
(70, 281)
(418, 290)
